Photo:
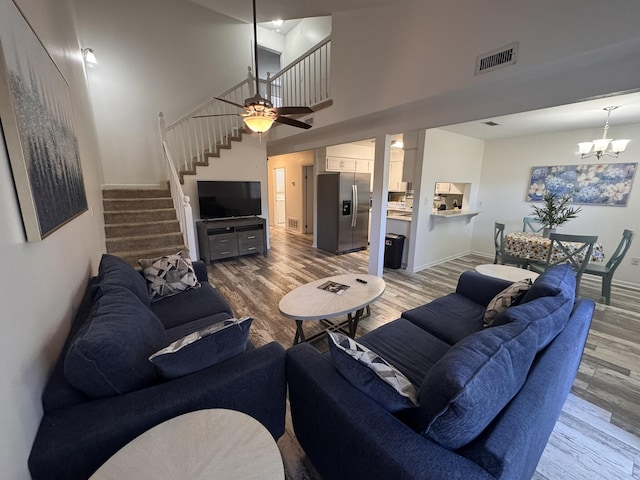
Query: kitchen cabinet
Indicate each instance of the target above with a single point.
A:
(442, 187)
(395, 177)
(449, 187)
(345, 164)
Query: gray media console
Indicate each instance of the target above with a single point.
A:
(226, 238)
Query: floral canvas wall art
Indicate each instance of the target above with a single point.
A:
(37, 122)
(597, 184)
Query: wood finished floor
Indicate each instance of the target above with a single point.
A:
(598, 433)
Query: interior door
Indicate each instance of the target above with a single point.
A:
(307, 198)
(280, 199)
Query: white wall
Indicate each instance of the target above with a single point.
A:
(168, 56)
(42, 282)
(379, 63)
(417, 73)
(503, 187)
(305, 35)
(247, 160)
(448, 157)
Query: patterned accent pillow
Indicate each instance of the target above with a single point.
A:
(512, 295)
(371, 374)
(169, 274)
(204, 348)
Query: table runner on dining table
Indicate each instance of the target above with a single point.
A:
(533, 246)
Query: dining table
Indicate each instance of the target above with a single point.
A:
(535, 247)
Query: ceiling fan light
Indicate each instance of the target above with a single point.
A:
(258, 123)
(584, 147)
(601, 144)
(618, 146)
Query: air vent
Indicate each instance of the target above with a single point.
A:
(293, 223)
(498, 58)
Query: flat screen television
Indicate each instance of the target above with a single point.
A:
(227, 199)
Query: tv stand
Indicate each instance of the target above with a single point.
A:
(231, 237)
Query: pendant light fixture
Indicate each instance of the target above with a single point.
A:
(603, 146)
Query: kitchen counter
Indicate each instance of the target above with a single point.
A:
(452, 212)
(443, 215)
(403, 214)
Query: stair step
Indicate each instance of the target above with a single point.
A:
(143, 242)
(139, 216)
(136, 193)
(121, 204)
(137, 229)
(132, 256)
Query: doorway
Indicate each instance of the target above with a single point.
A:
(280, 197)
(307, 198)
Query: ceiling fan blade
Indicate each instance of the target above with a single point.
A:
(230, 102)
(293, 110)
(217, 115)
(293, 122)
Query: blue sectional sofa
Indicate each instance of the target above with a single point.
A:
(104, 391)
(486, 398)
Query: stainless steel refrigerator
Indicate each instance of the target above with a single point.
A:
(343, 211)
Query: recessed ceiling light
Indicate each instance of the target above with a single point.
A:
(277, 23)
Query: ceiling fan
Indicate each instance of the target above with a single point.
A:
(259, 113)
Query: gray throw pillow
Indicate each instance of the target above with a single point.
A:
(169, 274)
(512, 295)
(204, 348)
(371, 374)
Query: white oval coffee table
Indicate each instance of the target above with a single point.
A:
(205, 444)
(506, 272)
(308, 302)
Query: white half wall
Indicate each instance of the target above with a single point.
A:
(42, 282)
(448, 157)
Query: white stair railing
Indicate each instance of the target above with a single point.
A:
(181, 202)
(304, 82)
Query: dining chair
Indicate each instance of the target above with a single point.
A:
(606, 271)
(577, 256)
(500, 256)
(532, 224)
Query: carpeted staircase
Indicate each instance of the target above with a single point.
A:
(140, 223)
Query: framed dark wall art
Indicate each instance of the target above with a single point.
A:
(37, 122)
(597, 184)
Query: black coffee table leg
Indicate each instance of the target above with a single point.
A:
(299, 336)
(353, 321)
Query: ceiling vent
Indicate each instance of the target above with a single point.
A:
(498, 58)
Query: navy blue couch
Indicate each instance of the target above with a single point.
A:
(514, 379)
(79, 431)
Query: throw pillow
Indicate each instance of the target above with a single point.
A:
(371, 374)
(204, 348)
(465, 390)
(115, 271)
(555, 280)
(512, 295)
(169, 274)
(109, 354)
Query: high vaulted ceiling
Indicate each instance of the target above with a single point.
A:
(588, 114)
(267, 10)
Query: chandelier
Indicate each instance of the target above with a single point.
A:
(603, 146)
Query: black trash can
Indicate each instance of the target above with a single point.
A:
(393, 247)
